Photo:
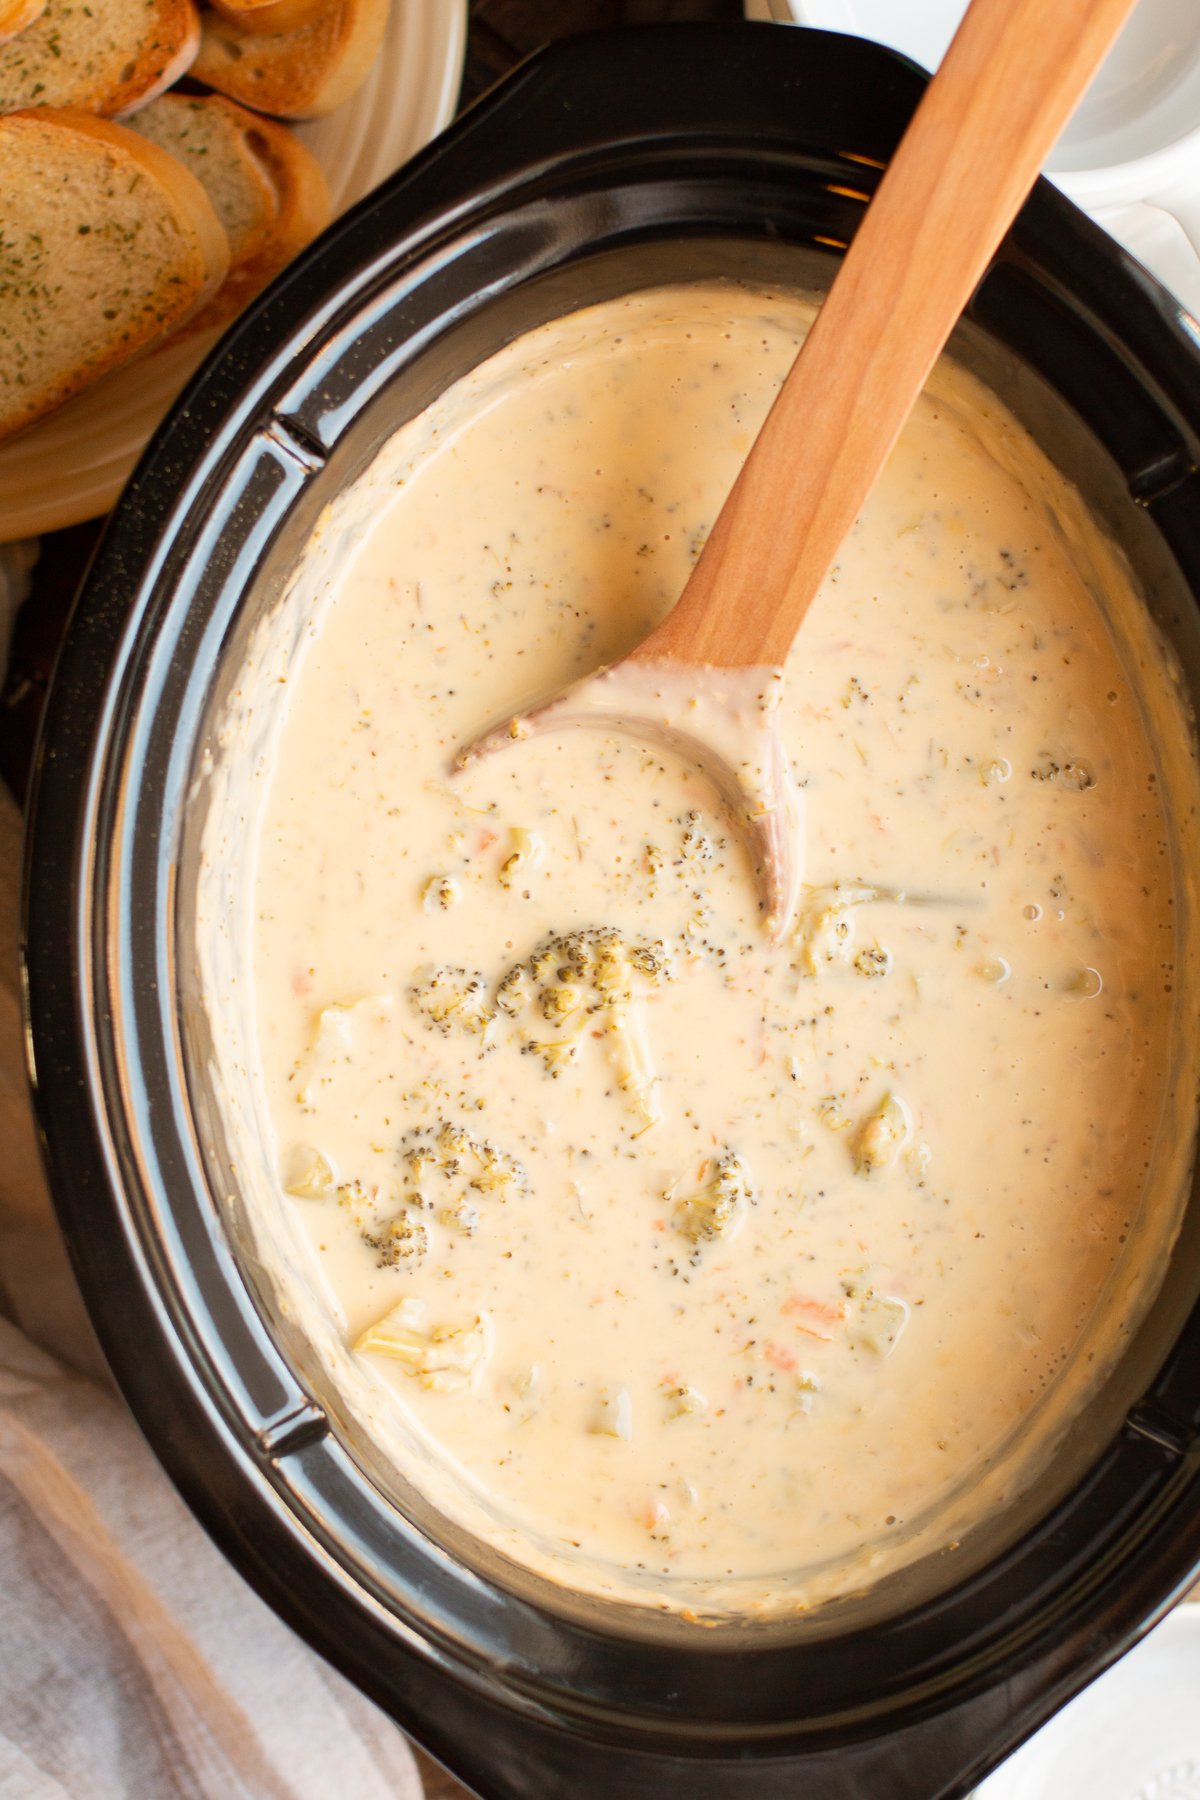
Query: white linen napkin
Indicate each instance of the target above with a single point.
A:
(135, 1664)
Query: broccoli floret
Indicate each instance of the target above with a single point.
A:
(592, 977)
(597, 966)
(402, 1238)
(449, 1153)
(443, 1168)
(652, 960)
(716, 1208)
(497, 1173)
(453, 1000)
(450, 1144)
(560, 1000)
(514, 991)
(393, 1229)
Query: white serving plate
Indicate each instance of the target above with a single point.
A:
(74, 463)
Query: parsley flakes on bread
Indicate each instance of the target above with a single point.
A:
(269, 192)
(115, 234)
(107, 242)
(16, 15)
(104, 56)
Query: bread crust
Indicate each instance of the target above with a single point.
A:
(305, 209)
(271, 16)
(301, 74)
(70, 57)
(17, 15)
(49, 148)
(212, 136)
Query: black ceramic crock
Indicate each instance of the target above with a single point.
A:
(606, 164)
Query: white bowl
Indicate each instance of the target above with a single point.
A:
(1133, 1735)
(1131, 154)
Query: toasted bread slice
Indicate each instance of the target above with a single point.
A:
(300, 74)
(215, 139)
(270, 16)
(104, 56)
(107, 243)
(268, 190)
(304, 210)
(16, 15)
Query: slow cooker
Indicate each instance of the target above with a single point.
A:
(606, 164)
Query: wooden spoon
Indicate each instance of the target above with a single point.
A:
(709, 678)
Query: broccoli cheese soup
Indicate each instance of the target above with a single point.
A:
(675, 1261)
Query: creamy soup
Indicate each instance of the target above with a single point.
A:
(676, 1253)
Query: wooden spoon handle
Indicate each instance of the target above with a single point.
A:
(1005, 90)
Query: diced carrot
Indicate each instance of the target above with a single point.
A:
(779, 1358)
(813, 1309)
